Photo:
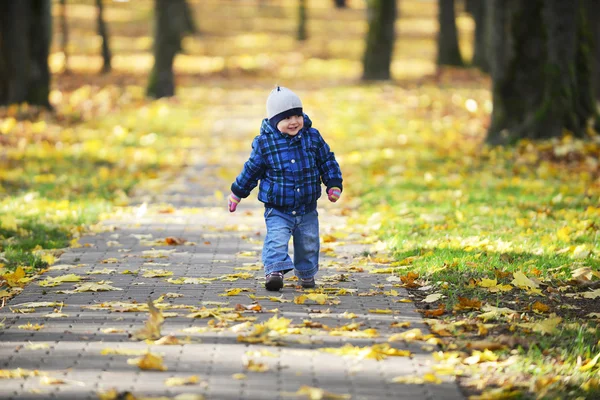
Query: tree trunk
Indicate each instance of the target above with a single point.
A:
(172, 22)
(480, 57)
(448, 50)
(25, 36)
(593, 12)
(541, 70)
(302, 35)
(103, 32)
(340, 3)
(377, 60)
(64, 29)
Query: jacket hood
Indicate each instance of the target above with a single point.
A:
(267, 129)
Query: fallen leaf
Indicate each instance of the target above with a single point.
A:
(182, 381)
(30, 327)
(380, 311)
(156, 273)
(433, 297)
(547, 326)
(109, 351)
(592, 294)
(151, 329)
(19, 373)
(254, 366)
(415, 380)
(313, 393)
(90, 287)
(49, 282)
(149, 361)
(37, 346)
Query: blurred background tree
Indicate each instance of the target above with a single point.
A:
(448, 50)
(541, 68)
(172, 21)
(25, 35)
(477, 9)
(103, 33)
(377, 59)
(302, 35)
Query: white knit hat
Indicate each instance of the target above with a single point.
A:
(282, 103)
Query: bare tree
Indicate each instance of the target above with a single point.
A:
(377, 59)
(448, 50)
(541, 70)
(64, 30)
(25, 35)
(172, 22)
(103, 32)
(302, 35)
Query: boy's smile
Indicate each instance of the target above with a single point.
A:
(291, 125)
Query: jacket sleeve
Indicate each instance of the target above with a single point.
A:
(253, 170)
(329, 169)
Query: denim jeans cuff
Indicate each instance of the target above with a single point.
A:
(282, 266)
(306, 274)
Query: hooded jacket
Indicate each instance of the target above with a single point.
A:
(290, 169)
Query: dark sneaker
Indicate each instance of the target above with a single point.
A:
(274, 281)
(307, 283)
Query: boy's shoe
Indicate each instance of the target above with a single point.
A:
(308, 283)
(274, 281)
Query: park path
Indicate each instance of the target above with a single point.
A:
(78, 326)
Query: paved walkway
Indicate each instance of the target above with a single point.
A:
(69, 346)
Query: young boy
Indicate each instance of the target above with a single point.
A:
(290, 158)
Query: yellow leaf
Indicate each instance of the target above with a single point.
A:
(590, 364)
(156, 273)
(56, 315)
(182, 381)
(480, 356)
(148, 361)
(49, 282)
(112, 330)
(14, 279)
(377, 351)
(591, 295)
(90, 287)
(408, 336)
(523, 282)
(547, 326)
(166, 340)
(540, 307)
(37, 346)
(152, 328)
(47, 380)
(239, 377)
(563, 234)
(9, 222)
(379, 311)
(109, 351)
(414, 380)
(19, 373)
(318, 298)
(433, 298)
(30, 327)
(313, 393)
(254, 366)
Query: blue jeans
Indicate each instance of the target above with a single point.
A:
(305, 231)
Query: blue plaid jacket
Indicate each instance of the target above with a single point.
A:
(290, 169)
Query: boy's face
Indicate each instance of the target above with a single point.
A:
(291, 125)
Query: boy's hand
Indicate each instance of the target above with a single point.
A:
(233, 202)
(334, 194)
